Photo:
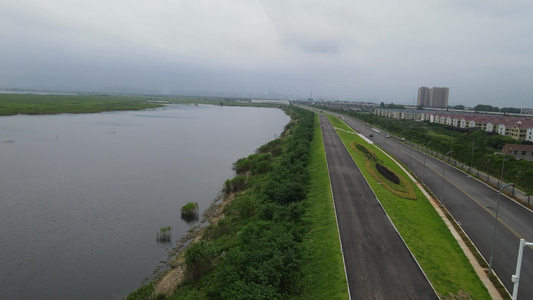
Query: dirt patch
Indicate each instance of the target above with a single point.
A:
(172, 279)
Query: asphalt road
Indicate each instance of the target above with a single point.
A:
(473, 204)
(377, 261)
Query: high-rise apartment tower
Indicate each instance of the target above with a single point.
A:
(434, 97)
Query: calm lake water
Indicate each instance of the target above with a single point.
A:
(82, 196)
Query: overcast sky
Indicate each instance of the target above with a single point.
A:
(382, 49)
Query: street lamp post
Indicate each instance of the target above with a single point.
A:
(442, 185)
(424, 170)
(501, 175)
(472, 159)
(451, 143)
(495, 225)
(410, 148)
(487, 169)
(516, 277)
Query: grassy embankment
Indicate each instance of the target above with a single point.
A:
(277, 237)
(426, 235)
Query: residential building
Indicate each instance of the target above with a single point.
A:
(518, 151)
(433, 97)
(519, 128)
(529, 134)
(423, 96)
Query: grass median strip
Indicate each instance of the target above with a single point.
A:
(426, 235)
(324, 272)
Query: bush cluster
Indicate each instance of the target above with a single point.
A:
(363, 149)
(198, 259)
(388, 174)
(265, 265)
(238, 183)
(270, 146)
(256, 163)
(290, 179)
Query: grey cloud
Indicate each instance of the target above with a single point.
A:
(318, 47)
(496, 8)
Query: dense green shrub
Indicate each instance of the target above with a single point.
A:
(289, 181)
(198, 259)
(238, 183)
(242, 165)
(245, 206)
(265, 265)
(257, 163)
(222, 227)
(261, 168)
(276, 151)
(388, 174)
(269, 146)
(363, 149)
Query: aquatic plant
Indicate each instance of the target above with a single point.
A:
(189, 212)
(164, 235)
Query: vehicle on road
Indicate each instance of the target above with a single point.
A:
(388, 136)
(370, 135)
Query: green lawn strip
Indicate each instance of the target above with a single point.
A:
(324, 276)
(426, 235)
(30, 104)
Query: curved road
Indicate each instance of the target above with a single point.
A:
(377, 261)
(473, 204)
